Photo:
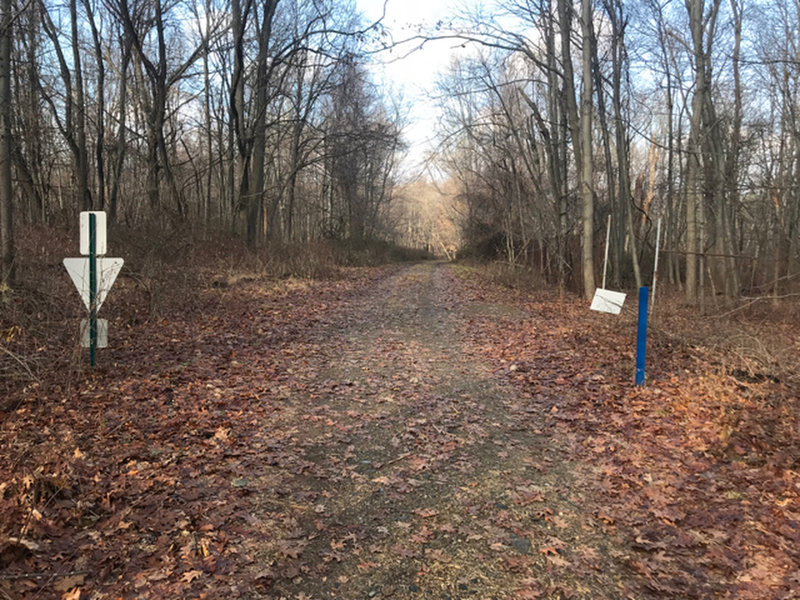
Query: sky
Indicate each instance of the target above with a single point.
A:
(413, 74)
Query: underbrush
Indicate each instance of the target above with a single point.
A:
(372, 253)
(514, 276)
(735, 366)
(751, 341)
(163, 275)
(702, 464)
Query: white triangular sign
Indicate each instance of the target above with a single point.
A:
(107, 271)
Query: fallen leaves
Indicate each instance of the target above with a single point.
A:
(291, 548)
(527, 496)
(680, 454)
(388, 445)
(67, 584)
(72, 595)
(438, 555)
(422, 535)
(166, 452)
(190, 576)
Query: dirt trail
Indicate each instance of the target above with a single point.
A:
(427, 477)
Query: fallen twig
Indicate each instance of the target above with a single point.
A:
(21, 363)
(750, 301)
(16, 576)
(396, 459)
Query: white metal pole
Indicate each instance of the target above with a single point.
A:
(655, 266)
(605, 260)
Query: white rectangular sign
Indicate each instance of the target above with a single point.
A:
(100, 232)
(607, 301)
(102, 333)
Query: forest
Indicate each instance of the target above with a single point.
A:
(263, 120)
(343, 365)
(254, 118)
(683, 112)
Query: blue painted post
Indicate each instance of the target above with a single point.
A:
(641, 338)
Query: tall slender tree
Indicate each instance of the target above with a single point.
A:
(586, 166)
(6, 190)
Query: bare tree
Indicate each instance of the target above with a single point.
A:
(100, 115)
(72, 123)
(6, 191)
(162, 72)
(587, 184)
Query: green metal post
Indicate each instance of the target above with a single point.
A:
(92, 289)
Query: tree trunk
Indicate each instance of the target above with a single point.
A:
(121, 145)
(207, 115)
(82, 155)
(622, 142)
(693, 192)
(615, 208)
(101, 109)
(255, 213)
(731, 178)
(240, 165)
(587, 184)
(6, 191)
(556, 144)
